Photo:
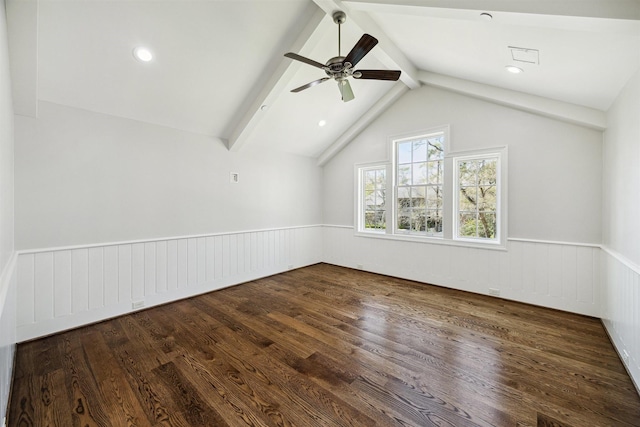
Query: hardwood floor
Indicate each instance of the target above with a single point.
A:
(328, 346)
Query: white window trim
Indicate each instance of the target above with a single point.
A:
(359, 170)
(501, 210)
(393, 141)
(449, 187)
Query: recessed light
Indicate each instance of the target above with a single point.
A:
(322, 123)
(513, 69)
(486, 16)
(142, 54)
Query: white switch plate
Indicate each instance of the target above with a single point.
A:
(234, 177)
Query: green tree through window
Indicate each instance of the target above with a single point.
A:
(477, 198)
(375, 180)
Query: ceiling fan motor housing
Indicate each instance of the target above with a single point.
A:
(336, 68)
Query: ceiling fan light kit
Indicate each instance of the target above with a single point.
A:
(340, 68)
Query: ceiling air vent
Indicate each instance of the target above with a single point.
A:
(523, 54)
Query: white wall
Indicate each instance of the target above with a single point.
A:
(112, 212)
(7, 255)
(6, 148)
(621, 225)
(621, 180)
(554, 204)
(88, 178)
(543, 153)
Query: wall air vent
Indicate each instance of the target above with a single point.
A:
(523, 54)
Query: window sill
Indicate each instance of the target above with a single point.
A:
(495, 246)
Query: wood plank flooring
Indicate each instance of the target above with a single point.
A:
(328, 346)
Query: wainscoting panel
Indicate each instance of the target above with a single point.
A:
(621, 308)
(8, 318)
(64, 288)
(557, 275)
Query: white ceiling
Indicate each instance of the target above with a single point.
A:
(581, 64)
(207, 57)
(217, 62)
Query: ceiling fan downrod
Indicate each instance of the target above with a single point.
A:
(339, 17)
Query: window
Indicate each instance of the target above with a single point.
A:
(372, 194)
(419, 165)
(427, 193)
(477, 197)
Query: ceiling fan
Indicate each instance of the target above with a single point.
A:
(340, 68)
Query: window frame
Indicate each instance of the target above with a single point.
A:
(450, 196)
(360, 170)
(499, 153)
(393, 144)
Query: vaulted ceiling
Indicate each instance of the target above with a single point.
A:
(218, 66)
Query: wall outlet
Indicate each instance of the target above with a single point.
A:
(625, 357)
(137, 304)
(290, 267)
(495, 292)
(234, 177)
(359, 266)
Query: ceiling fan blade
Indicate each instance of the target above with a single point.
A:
(308, 85)
(345, 90)
(305, 60)
(378, 75)
(364, 45)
